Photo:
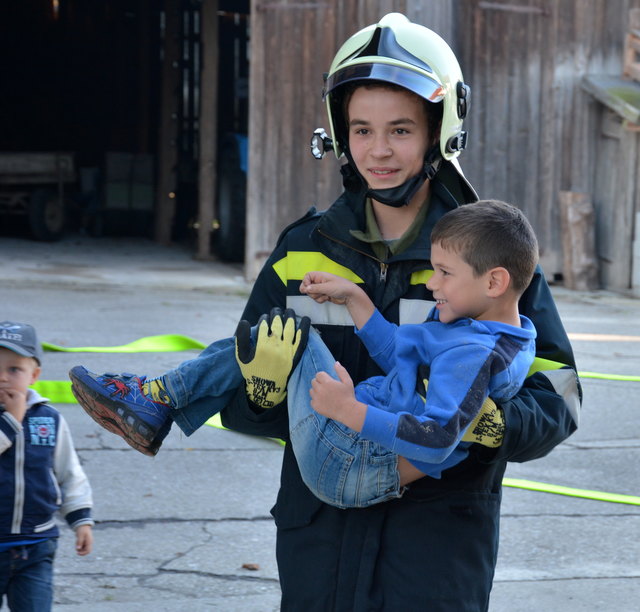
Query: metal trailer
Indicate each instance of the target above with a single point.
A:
(33, 184)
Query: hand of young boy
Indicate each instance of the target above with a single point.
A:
(336, 399)
(324, 287)
(84, 540)
(14, 402)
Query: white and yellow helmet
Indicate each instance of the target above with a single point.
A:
(403, 53)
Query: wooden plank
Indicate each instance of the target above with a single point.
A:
(256, 191)
(616, 93)
(631, 63)
(580, 270)
(614, 196)
(36, 167)
(167, 139)
(208, 137)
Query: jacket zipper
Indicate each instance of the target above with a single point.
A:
(383, 271)
(18, 502)
(383, 266)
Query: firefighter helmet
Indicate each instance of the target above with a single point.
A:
(403, 53)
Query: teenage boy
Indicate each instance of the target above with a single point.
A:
(396, 101)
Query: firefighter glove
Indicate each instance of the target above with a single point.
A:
(488, 427)
(268, 360)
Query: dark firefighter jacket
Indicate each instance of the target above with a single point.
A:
(435, 548)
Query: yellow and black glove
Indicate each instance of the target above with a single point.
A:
(488, 427)
(267, 362)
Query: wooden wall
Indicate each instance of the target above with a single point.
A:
(292, 45)
(533, 131)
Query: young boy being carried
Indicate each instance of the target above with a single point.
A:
(363, 445)
(39, 474)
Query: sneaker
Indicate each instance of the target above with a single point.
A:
(120, 403)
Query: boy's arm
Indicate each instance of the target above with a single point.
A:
(325, 287)
(430, 431)
(84, 539)
(379, 337)
(77, 498)
(405, 424)
(377, 334)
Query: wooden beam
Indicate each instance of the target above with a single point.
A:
(577, 219)
(207, 178)
(168, 138)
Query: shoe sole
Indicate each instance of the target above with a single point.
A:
(115, 417)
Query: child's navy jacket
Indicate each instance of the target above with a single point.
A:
(39, 474)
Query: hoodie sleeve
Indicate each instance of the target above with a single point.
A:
(378, 335)
(76, 491)
(429, 431)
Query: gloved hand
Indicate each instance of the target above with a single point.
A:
(488, 427)
(268, 364)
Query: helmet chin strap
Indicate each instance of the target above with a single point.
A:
(393, 196)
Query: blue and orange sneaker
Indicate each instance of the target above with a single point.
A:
(130, 406)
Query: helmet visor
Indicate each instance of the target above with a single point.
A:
(421, 84)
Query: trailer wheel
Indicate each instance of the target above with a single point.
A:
(46, 215)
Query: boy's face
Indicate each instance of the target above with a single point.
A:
(17, 372)
(458, 293)
(388, 135)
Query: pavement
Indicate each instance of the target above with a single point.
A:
(190, 529)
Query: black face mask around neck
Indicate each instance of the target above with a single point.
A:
(393, 196)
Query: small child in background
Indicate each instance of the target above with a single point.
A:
(39, 474)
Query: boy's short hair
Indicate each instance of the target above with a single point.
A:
(489, 234)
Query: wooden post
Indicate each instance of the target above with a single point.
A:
(143, 136)
(635, 262)
(207, 178)
(580, 268)
(168, 139)
(631, 62)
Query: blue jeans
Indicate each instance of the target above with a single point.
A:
(336, 463)
(340, 467)
(203, 386)
(26, 576)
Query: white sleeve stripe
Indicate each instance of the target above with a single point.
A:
(320, 314)
(565, 384)
(411, 311)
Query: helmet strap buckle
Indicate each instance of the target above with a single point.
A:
(320, 143)
(457, 142)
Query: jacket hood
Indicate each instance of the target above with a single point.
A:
(33, 398)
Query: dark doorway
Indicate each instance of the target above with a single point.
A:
(83, 76)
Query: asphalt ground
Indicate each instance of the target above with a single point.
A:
(190, 529)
